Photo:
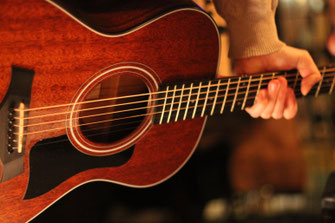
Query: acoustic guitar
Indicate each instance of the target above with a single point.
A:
(115, 91)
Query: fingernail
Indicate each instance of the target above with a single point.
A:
(260, 96)
(273, 86)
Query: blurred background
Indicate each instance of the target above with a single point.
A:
(244, 170)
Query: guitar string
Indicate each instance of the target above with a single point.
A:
(104, 127)
(101, 114)
(62, 128)
(128, 110)
(132, 109)
(137, 95)
(147, 114)
(133, 102)
(271, 76)
(130, 103)
(107, 120)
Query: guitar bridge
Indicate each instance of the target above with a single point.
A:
(12, 120)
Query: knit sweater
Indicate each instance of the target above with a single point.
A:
(251, 25)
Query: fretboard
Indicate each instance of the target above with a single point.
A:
(212, 97)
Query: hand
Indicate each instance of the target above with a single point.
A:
(278, 100)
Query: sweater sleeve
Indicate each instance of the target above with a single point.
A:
(251, 25)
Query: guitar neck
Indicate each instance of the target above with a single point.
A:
(212, 97)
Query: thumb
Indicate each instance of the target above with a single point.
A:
(308, 70)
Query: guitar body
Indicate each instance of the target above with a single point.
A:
(72, 50)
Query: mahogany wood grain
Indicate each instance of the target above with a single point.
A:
(34, 34)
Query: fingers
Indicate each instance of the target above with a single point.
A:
(276, 101)
(261, 102)
(291, 107)
(274, 88)
(280, 99)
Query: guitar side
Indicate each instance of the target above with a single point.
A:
(180, 44)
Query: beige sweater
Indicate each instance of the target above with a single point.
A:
(251, 26)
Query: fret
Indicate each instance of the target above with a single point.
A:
(172, 103)
(246, 94)
(225, 97)
(236, 91)
(196, 102)
(163, 110)
(296, 79)
(237, 88)
(180, 101)
(320, 83)
(259, 87)
(332, 86)
(205, 103)
(216, 97)
(188, 101)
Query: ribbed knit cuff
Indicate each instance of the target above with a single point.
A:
(253, 38)
(252, 26)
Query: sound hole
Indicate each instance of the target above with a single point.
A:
(115, 108)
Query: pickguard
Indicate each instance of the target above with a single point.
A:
(52, 161)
